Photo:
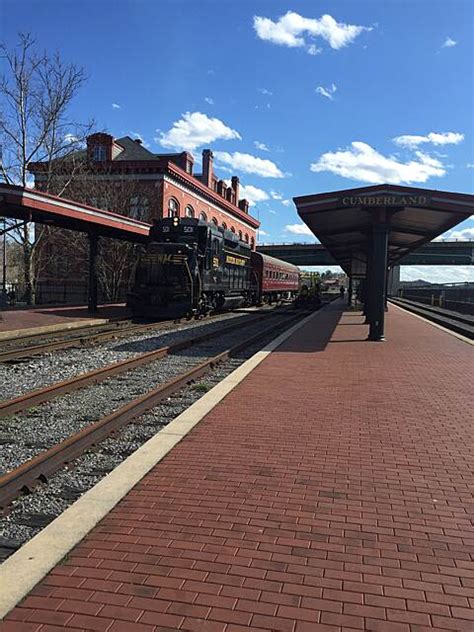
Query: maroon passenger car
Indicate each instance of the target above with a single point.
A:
(276, 279)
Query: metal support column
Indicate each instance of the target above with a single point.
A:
(93, 251)
(368, 285)
(349, 293)
(378, 278)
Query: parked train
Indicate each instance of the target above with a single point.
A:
(192, 267)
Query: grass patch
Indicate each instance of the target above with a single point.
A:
(202, 387)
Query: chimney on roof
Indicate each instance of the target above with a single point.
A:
(221, 188)
(138, 141)
(244, 206)
(236, 189)
(207, 167)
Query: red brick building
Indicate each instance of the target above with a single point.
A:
(163, 184)
(122, 176)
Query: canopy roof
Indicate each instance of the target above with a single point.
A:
(343, 220)
(31, 205)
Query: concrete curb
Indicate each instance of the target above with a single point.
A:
(30, 564)
(16, 334)
(430, 322)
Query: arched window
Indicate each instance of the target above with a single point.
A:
(189, 211)
(224, 225)
(232, 229)
(252, 243)
(240, 235)
(173, 208)
(246, 238)
(214, 221)
(203, 216)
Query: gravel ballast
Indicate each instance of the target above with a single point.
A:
(29, 514)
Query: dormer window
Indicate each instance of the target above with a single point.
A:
(100, 153)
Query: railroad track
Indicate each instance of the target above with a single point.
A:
(48, 393)
(73, 338)
(460, 323)
(25, 477)
(10, 351)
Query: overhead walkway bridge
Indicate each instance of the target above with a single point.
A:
(434, 253)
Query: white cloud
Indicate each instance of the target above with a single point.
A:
(435, 138)
(70, 138)
(437, 274)
(252, 194)
(314, 50)
(209, 100)
(260, 146)
(195, 129)
(286, 202)
(470, 165)
(249, 164)
(449, 43)
(291, 29)
(465, 234)
(265, 91)
(140, 137)
(262, 233)
(298, 229)
(275, 195)
(327, 92)
(362, 162)
(116, 106)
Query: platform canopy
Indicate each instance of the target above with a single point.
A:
(34, 206)
(343, 221)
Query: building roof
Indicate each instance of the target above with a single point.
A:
(343, 220)
(133, 150)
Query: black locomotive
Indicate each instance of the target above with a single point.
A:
(190, 268)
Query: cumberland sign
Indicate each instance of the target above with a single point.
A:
(385, 200)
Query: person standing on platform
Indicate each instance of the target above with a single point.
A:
(341, 291)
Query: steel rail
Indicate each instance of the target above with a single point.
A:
(47, 393)
(75, 341)
(39, 468)
(458, 325)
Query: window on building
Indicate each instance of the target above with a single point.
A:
(214, 221)
(232, 229)
(224, 225)
(203, 216)
(173, 208)
(252, 243)
(246, 237)
(189, 212)
(240, 235)
(99, 153)
(139, 207)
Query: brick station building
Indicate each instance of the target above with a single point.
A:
(164, 184)
(155, 185)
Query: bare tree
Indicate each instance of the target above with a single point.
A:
(117, 259)
(35, 94)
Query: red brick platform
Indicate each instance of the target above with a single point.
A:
(331, 491)
(19, 319)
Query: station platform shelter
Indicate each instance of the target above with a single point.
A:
(325, 486)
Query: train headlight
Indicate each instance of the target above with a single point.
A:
(175, 221)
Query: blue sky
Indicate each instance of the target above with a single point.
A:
(294, 97)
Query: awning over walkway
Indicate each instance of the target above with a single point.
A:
(343, 221)
(369, 229)
(42, 208)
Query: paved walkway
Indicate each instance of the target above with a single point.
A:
(332, 490)
(21, 319)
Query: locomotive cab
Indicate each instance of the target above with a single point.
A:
(192, 268)
(167, 279)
